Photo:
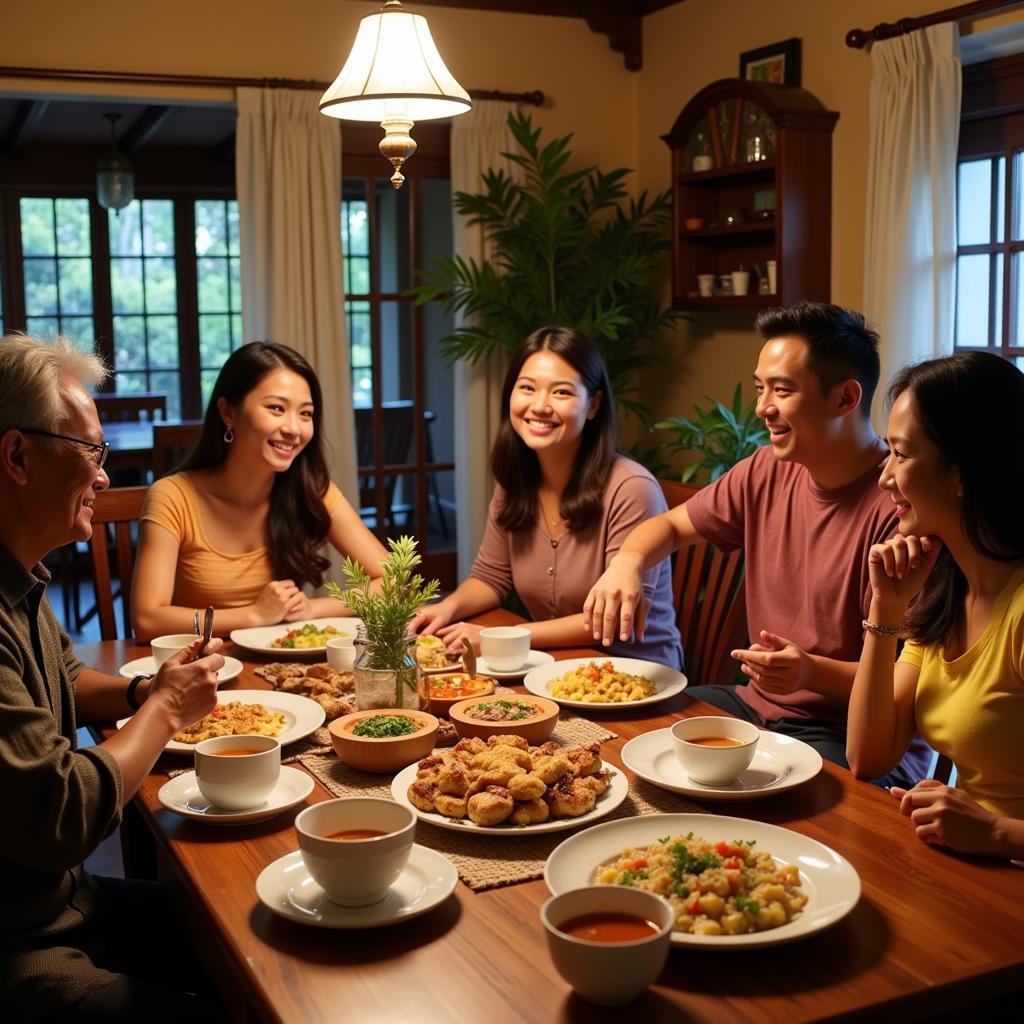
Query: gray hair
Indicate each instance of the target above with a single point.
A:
(30, 380)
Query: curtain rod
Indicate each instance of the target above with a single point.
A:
(533, 98)
(858, 38)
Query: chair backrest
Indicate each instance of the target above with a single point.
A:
(118, 508)
(171, 443)
(397, 429)
(131, 407)
(707, 589)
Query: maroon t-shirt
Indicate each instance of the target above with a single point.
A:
(806, 563)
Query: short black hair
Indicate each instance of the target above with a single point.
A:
(840, 344)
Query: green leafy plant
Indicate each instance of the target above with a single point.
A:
(722, 435)
(570, 248)
(386, 614)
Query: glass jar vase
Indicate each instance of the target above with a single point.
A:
(387, 687)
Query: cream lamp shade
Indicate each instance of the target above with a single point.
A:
(394, 75)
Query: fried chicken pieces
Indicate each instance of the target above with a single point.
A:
(505, 780)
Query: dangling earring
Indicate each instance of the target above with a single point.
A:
(229, 436)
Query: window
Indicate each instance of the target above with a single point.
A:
(990, 212)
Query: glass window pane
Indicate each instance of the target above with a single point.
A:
(214, 340)
(130, 383)
(213, 285)
(974, 202)
(236, 330)
(40, 287)
(168, 382)
(392, 237)
(234, 246)
(129, 343)
(158, 227)
(162, 334)
(80, 330)
(1017, 196)
(161, 286)
(1000, 198)
(75, 285)
(236, 283)
(37, 227)
(42, 326)
(211, 228)
(126, 230)
(207, 378)
(972, 300)
(997, 303)
(1017, 331)
(126, 285)
(73, 227)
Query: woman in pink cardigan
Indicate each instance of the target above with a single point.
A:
(565, 500)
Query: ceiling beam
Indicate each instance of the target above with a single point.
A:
(144, 127)
(27, 116)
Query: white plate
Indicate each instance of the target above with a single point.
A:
(830, 881)
(780, 763)
(616, 792)
(147, 666)
(667, 681)
(261, 638)
(302, 716)
(533, 660)
(286, 888)
(181, 795)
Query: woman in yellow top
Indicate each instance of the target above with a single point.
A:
(242, 524)
(956, 473)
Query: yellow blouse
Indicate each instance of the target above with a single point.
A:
(972, 708)
(204, 575)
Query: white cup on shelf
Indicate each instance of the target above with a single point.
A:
(740, 282)
(773, 271)
(706, 285)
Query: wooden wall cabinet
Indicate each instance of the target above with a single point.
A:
(755, 140)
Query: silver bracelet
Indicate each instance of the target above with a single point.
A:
(883, 631)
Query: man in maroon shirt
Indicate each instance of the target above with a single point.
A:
(806, 509)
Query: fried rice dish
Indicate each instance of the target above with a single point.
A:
(599, 683)
(234, 719)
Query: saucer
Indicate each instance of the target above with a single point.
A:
(286, 888)
(533, 660)
(780, 763)
(147, 666)
(181, 795)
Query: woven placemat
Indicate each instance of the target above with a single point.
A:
(498, 858)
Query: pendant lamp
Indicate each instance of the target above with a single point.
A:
(394, 75)
(115, 180)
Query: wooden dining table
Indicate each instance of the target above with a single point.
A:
(934, 932)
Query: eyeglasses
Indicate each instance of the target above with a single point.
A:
(102, 449)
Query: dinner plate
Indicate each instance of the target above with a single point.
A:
(617, 791)
(181, 795)
(533, 660)
(830, 882)
(286, 888)
(667, 681)
(231, 669)
(261, 638)
(780, 763)
(302, 716)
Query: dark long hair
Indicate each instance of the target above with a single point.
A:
(971, 406)
(516, 467)
(297, 522)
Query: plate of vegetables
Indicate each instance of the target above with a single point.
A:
(295, 639)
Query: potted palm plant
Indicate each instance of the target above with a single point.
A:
(385, 671)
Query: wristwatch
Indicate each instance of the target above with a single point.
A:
(132, 687)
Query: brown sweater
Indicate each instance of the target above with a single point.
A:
(56, 804)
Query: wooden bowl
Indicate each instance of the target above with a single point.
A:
(389, 754)
(535, 729)
(442, 705)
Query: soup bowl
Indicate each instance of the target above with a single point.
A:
(713, 750)
(237, 773)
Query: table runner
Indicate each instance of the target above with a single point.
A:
(493, 860)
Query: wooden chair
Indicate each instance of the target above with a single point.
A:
(397, 427)
(120, 507)
(707, 589)
(132, 407)
(171, 443)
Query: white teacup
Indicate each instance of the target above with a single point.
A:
(714, 765)
(163, 647)
(355, 872)
(506, 648)
(341, 653)
(241, 779)
(608, 973)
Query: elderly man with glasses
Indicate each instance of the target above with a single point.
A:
(72, 947)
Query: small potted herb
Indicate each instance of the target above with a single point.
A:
(385, 672)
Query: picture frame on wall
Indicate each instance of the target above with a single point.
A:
(777, 64)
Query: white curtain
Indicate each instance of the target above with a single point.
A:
(478, 139)
(910, 235)
(288, 169)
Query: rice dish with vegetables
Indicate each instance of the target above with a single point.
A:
(233, 719)
(600, 683)
(715, 889)
(306, 637)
